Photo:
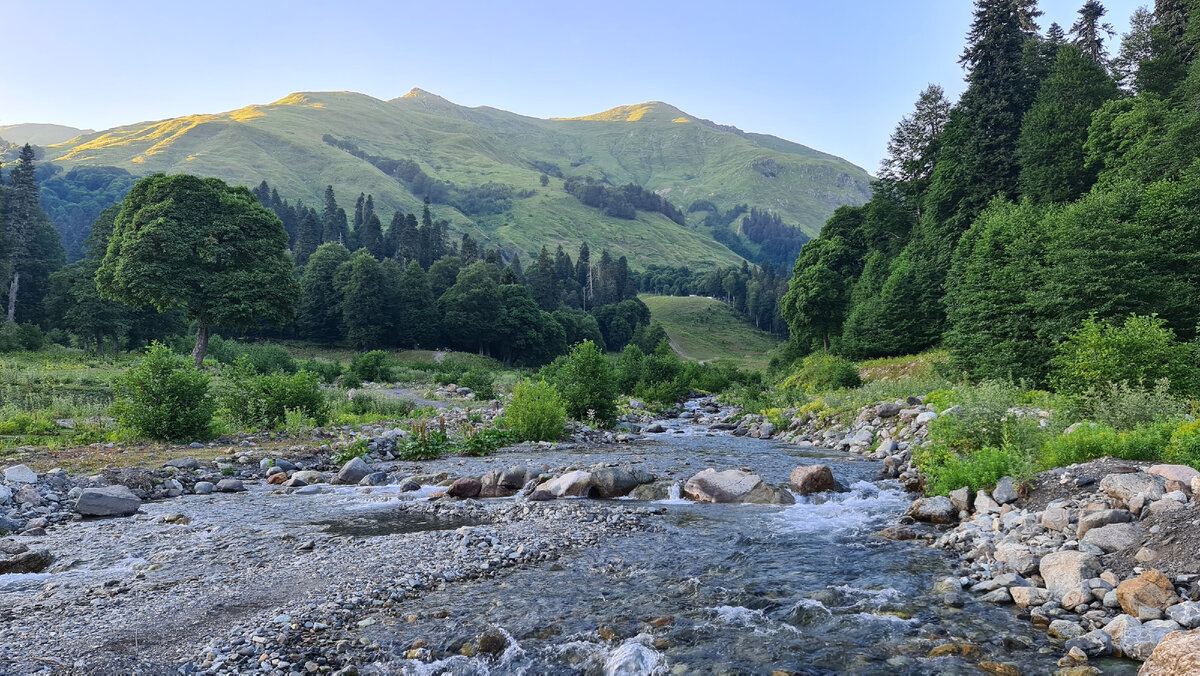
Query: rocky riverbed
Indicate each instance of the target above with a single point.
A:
(598, 556)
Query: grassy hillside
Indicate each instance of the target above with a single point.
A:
(39, 134)
(653, 145)
(705, 329)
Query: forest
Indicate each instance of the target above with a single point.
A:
(1063, 185)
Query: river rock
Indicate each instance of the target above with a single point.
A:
(1187, 614)
(766, 430)
(204, 487)
(353, 472)
(658, 490)
(613, 482)
(5, 494)
(1095, 643)
(17, 558)
(1029, 596)
(1113, 537)
(20, 474)
(810, 479)
(925, 418)
(985, 504)
(1066, 570)
(655, 428)
(309, 476)
(1005, 491)
(888, 410)
(466, 487)
(541, 496)
(1055, 517)
(1103, 517)
(1124, 487)
(937, 509)
(514, 477)
(374, 479)
(734, 486)
(1151, 589)
(576, 483)
(1176, 655)
(278, 478)
(107, 501)
(230, 486)
(961, 499)
(28, 495)
(183, 463)
(1017, 556)
(1181, 473)
(1065, 629)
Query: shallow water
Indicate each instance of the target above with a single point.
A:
(726, 589)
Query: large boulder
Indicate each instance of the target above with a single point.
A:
(18, 558)
(230, 486)
(20, 474)
(1187, 614)
(1124, 486)
(1113, 537)
(613, 482)
(1017, 556)
(937, 509)
(514, 477)
(466, 487)
(1104, 517)
(577, 483)
(734, 486)
(1067, 570)
(658, 490)
(1178, 654)
(353, 472)
(1005, 491)
(1151, 589)
(107, 501)
(1181, 473)
(888, 410)
(309, 476)
(810, 479)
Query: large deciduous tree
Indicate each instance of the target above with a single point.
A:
(203, 246)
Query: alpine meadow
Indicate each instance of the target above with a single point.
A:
(315, 386)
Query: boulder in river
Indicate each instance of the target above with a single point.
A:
(1178, 653)
(613, 482)
(577, 483)
(466, 487)
(230, 486)
(1066, 570)
(353, 472)
(16, 557)
(937, 509)
(734, 486)
(309, 476)
(107, 501)
(810, 479)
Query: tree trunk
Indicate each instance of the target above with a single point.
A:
(12, 297)
(201, 342)
(116, 344)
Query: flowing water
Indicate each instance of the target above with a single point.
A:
(726, 589)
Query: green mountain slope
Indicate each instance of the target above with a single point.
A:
(705, 329)
(39, 134)
(653, 145)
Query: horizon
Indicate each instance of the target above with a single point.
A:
(784, 85)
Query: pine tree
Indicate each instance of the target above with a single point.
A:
(319, 315)
(1170, 51)
(1090, 34)
(913, 147)
(363, 298)
(468, 251)
(1135, 48)
(33, 248)
(418, 322)
(1051, 147)
(333, 220)
(372, 235)
(542, 283)
(309, 238)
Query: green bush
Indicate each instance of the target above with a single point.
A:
(480, 382)
(30, 337)
(1097, 440)
(222, 350)
(1140, 352)
(628, 371)
(536, 412)
(978, 469)
(266, 358)
(371, 367)
(28, 423)
(263, 401)
(346, 453)
(327, 371)
(666, 393)
(585, 381)
(989, 415)
(164, 397)
(425, 443)
(1184, 445)
(822, 372)
(9, 342)
(480, 442)
(1124, 406)
(365, 403)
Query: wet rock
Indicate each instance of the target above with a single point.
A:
(514, 477)
(733, 486)
(353, 472)
(541, 496)
(1065, 629)
(1104, 517)
(1176, 655)
(937, 509)
(571, 484)
(107, 501)
(466, 487)
(277, 479)
(20, 474)
(810, 479)
(658, 490)
(409, 486)
(1124, 486)
(203, 487)
(17, 558)
(374, 479)
(655, 428)
(1113, 537)
(189, 463)
(613, 482)
(1066, 570)
(309, 477)
(230, 486)
(1151, 589)
(1095, 643)
(1005, 491)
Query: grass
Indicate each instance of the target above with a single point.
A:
(685, 161)
(704, 329)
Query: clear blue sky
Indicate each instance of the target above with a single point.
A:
(832, 74)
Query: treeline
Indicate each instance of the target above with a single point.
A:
(755, 292)
(1063, 184)
(621, 201)
(775, 243)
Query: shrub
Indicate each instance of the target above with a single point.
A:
(346, 453)
(9, 342)
(425, 443)
(372, 405)
(585, 381)
(30, 337)
(266, 358)
(821, 372)
(1097, 440)
(222, 350)
(371, 366)
(263, 401)
(164, 397)
(482, 441)
(1125, 406)
(628, 371)
(978, 469)
(989, 415)
(1184, 445)
(327, 371)
(536, 412)
(1139, 352)
(480, 382)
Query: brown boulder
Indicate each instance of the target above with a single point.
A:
(810, 479)
(277, 478)
(1151, 589)
(1178, 654)
(466, 487)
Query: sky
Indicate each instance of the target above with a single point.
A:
(836, 75)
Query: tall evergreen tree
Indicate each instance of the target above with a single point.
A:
(542, 283)
(418, 322)
(363, 298)
(319, 313)
(1170, 50)
(309, 238)
(1135, 48)
(1090, 34)
(372, 236)
(33, 249)
(913, 147)
(333, 220)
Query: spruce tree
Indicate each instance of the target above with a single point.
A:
(33, 250)
(418, 322)
(319, 315)
(372, 236)
(913, 147)
(309, 238)
(1090, 34)
(362, 299)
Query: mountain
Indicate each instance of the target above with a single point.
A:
(483, 168)
(39, 134)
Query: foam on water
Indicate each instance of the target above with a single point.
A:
(13, 581)
(673, 497)
(634, 658)
(862, 506)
